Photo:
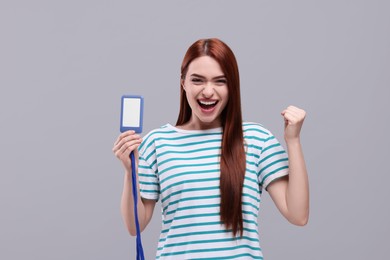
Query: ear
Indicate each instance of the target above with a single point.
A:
(182, 84)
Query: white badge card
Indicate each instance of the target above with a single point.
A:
(132, 113)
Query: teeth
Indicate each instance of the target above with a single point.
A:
(208, 103)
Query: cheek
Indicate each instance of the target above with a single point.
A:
(225, 95)
(190, 91)
(190, 96)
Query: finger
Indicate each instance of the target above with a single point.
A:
(124, 135)
(299, 114)
(130, 143)
(293, 112)
(291, 118)
(126, 149)
(298, 111)
(131, 148)
(288, 110)
(284, 112)
(136, 154)
(294, 108)
(125, 139)
(118, 151)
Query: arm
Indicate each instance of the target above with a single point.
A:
(145, 207)
(291, 193)
(124, 145)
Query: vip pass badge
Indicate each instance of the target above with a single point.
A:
(132, 108)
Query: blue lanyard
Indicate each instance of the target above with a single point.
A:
(140, 251)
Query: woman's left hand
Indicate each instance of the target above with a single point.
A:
(293, 121)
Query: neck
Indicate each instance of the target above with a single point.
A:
(198, 125)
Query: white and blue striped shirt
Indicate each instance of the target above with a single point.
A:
(181, 168)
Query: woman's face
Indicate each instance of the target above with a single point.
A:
(207, 92)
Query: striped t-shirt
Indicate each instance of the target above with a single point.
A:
(181, 168)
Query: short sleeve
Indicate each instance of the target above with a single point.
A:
(273, 161)
(147, 170)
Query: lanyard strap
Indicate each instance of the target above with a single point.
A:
(140, 251)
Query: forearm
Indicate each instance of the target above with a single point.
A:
(127, 205)
(297, 194)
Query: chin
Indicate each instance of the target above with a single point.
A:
(209, 121)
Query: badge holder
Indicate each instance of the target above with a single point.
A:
(131, 119)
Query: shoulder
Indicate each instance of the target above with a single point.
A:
(150, 137)
(162, 130)
(255, 129)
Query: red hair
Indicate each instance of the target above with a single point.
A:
(233, 160)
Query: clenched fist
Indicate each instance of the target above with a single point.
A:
(293, 121)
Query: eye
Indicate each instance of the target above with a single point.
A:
(221, 82)
(196, 80)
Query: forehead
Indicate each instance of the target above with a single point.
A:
(205, 66)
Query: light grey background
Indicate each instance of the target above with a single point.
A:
(65, 64)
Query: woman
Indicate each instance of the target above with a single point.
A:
(210, 169)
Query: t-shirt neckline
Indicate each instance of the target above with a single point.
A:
(179, 130)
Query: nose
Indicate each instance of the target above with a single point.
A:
(208, 90)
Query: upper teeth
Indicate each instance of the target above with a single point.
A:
(208, 103)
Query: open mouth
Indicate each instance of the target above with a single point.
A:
(207, 105)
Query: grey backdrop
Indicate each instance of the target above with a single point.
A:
(65, 64)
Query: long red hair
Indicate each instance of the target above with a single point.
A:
(233, 160)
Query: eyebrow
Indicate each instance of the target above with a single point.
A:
(203, 77)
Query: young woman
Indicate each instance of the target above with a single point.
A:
(209, 170)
